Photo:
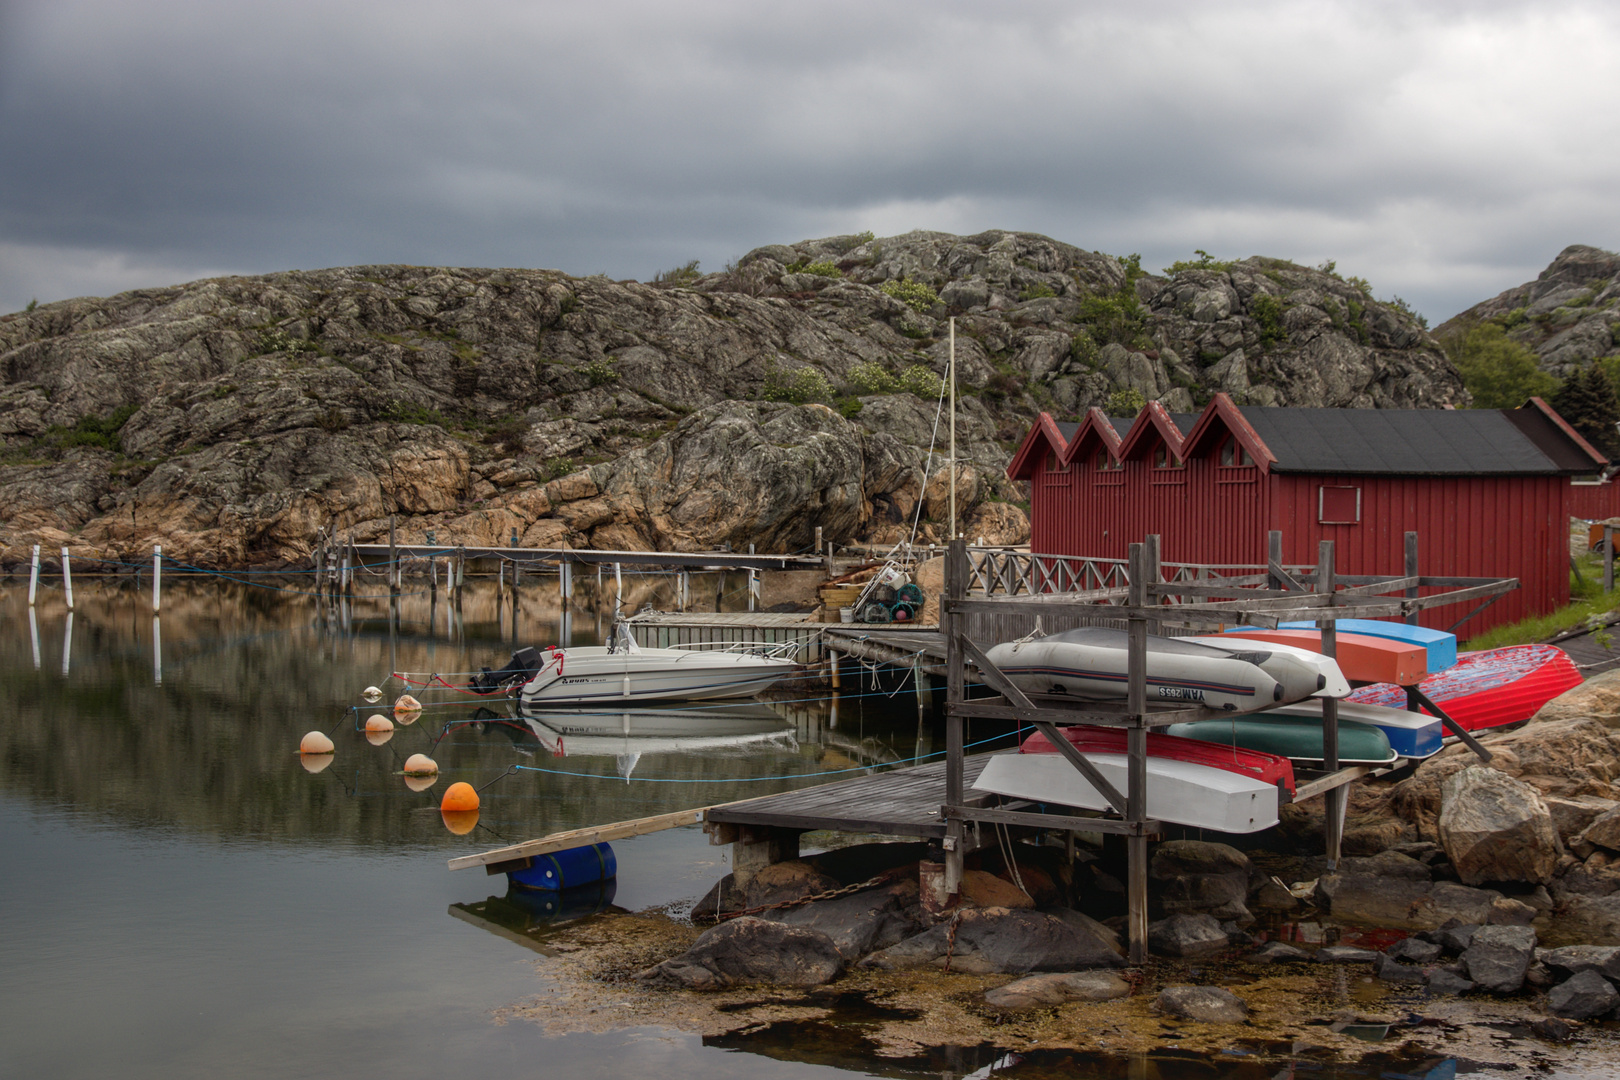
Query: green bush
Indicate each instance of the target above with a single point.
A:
(921, 381)
(97, 432)
(601, 371)
(1267, 310)
(1406, 309)
(407, 412)
(872, 377)
(849, 407)
(681, 275)
(1084, 350)
(1126, 401)
(1039, 291)
(1205, 261)
(277, 340)
(796, 385)
(915, 294)
(1116, 318)
(1498, 371)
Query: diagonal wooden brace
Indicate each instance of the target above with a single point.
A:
(1005, 686)
(1450, 725)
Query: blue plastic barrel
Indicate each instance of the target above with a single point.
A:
(567, 869)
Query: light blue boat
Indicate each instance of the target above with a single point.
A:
(1441, 646)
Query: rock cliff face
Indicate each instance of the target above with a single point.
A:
(229, 419)
(1568, 316)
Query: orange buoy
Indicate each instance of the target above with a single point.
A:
(406, 705)
(314, 763)
(459, 796)
(316, 742)
(460, 822)
(379, 722)
(421, 765)
(421, 783)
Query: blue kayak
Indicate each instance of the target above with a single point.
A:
(1442, 646)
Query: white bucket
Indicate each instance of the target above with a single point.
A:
(846, 614)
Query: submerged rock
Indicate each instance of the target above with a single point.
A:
(749, 950)
(1058, 988)
(1414, 951)
(1279, 952)
(1206, 1004)
(1394, 971)
(1496, 828)
(1346, 954)
(1443, 981)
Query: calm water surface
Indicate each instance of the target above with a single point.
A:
(182, 898)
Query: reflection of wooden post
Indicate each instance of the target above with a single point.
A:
(832, 668)
(1136, 762)
(951, 624)
(1333, 820)
(393, 559)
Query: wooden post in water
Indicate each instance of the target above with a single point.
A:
(817, 548)
(1136, 762)
(1333, 820)
(33, 579)
(157, 650)
(950, 622)
(832, 666)
(753, 587)
(157, 577)
(67, 586)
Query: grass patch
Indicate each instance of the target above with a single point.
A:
(1590, 603)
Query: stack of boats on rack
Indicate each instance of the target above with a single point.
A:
(1190, 782)
(622, 670)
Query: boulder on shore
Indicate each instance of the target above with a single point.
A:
(1598, 698)
(748, 950)
(1002, 940)
(1583, 997)
(1187, 935)
(1499, 957)
(859, 922)
(1193, 876)
(1496, 828)
(1206, 1004)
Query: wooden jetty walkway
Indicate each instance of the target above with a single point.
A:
(817, 641)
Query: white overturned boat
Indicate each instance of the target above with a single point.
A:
(623, 671)
(1091, 663)
(1180, 792)
(1290, 665)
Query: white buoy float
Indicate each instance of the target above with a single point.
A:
(372, 695)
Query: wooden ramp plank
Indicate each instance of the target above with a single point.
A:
(581, 837)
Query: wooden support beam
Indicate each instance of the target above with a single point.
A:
(951, 625)
(1411, 568)
(581, 837)
(1333, 824)
(1331, 782)
(1053, 821)
(1414, 695)
(1136, 631)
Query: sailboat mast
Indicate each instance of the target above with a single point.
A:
(953, 427)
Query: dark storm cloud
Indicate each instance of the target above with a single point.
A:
(1444, 153)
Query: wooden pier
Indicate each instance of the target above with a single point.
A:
(934, 801)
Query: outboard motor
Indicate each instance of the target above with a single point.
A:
(525, 665)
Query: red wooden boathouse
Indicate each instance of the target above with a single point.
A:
(1487, 490)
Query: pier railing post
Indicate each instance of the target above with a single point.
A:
(1136, 760)
(1273, 557)
(955, 693)
(1333, 820)
(1411, 570)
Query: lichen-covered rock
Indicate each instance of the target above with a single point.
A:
(1495, 828)
(1604, 831)
(747, 951)
(1205, 1004)
(1598, 698)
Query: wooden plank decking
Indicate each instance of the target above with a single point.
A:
(902, 802)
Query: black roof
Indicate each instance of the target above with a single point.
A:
(1184, 422)
(1067, 430)
(1417, 442)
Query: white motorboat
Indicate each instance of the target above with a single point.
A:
(1090, 663)
(624, 671)
(1179, 792)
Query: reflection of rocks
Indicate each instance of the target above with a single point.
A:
(1205, 1004)
(1001, 940)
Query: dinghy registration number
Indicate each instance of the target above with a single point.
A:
(1182, 693)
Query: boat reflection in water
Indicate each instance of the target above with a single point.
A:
(626, 734)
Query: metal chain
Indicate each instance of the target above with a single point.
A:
(869, 883)
(950, 937)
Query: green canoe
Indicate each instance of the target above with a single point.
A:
(1297, 738)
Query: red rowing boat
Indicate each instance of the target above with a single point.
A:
(1268, 768)
(1491, 688)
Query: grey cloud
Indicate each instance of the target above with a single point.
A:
(630, 137)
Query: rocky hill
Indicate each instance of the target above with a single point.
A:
(231, 418)
(1567, 316)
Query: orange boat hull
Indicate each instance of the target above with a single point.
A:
(1362, 658)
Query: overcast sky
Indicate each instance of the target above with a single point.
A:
(1444, 151)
